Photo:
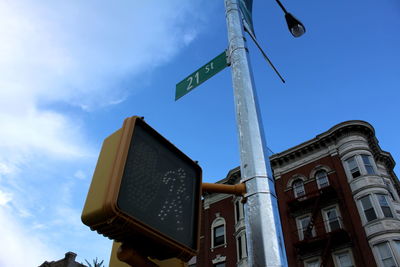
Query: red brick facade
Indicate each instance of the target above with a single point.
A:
(338, 200)
(224, 209)
(337, 192)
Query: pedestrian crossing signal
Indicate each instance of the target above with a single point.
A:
(145, 192)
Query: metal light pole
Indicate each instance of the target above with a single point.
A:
(263, 228)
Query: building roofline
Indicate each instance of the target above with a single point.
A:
(332, 134)
(320, 140)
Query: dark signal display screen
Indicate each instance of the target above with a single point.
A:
(160, 187)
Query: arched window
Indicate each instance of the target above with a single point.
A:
(218, 232)
(298, 188)
(322, 178)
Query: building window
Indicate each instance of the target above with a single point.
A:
(390, 188)
(298, 188)
(353, 167)
(367, 160)
(241, 246)
(397, 246)
(322, 179)
(332, 219)
(368, 208)
(239, 210)
(312, 263)
(344, 259)
(385, 255)
(360, 165)
(219, 235)
(218, 232)
(384, 206)
(397, 242)
(302, 224)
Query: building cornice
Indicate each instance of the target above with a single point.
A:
(329, 137)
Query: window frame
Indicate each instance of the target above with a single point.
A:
(371, 202)
(354, 169)
(327, 222)
(364, 164)
(336, 259)
(218, 222)
(219, 235)
(379, 255)
(241, 246)
(239, 210)
(308, 262)
(396, 248)
(388, 206)
(390, 188)
(368, 162)
(301, 230)
(319, 178)
(376, 205)
(301, 185)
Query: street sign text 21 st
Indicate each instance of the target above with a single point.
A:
(201, 75)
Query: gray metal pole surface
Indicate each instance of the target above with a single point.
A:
(263, 228)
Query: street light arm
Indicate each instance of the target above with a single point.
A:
(262, 51)
(283, 8)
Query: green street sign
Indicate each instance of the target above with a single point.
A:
(201, 75)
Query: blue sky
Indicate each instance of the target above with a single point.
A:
(72, 71)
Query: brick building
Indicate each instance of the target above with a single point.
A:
(338, 200)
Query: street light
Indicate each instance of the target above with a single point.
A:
(296, 28)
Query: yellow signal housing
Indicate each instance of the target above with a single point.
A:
(145, 192)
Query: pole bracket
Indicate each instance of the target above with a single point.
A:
(237, 189)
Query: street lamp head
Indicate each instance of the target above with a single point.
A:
(296, 28)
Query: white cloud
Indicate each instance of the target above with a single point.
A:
(76, 53)
(19, 245)
(5, 198)
(5, 169)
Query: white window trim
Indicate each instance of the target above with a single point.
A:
(389, 201)
(216, 223)
(360, 164)
(361, 208)
(317, 180)
(238, 201)
(289, 184)
(295, 193)
(300, 227)
(377, 255)
(310, 260)
(390, 188)
(218, 259)
(326, 219)
(320, 168)
(377, 207)
(242, 236)
(335, 255)
(396, 250)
